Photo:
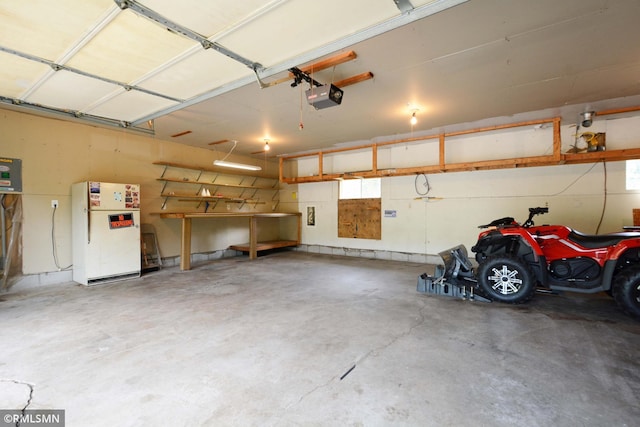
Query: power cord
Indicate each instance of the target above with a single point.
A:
(54, 250)
(424, 184)
(604, 204)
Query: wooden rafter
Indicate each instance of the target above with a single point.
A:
(329, 62)
(354, 79)
(219, 142)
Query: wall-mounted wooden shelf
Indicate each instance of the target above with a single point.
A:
(194, 181)
(224, 171)
(555, 158)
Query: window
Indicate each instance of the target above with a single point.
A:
(360, 188)
(633, 174)
(359, 209)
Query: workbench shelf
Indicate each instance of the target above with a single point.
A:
(253, 247)
(209, 186)
(265, 246)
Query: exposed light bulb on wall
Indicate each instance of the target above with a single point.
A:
(266, 146)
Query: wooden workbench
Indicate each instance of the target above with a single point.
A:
(252, 247)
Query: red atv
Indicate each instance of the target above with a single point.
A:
(516, 259)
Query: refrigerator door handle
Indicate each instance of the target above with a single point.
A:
(88, 213)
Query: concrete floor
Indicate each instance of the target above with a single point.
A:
(270, 342)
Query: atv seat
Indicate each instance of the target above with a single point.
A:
(601, 240)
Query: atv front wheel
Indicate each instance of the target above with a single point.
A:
(626, 291)
(506, 279)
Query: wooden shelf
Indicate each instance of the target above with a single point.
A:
(553, 159)
(212, 180)
(187, 198)
(221, 198)
(216, 184)
(252, 247)
(214, 169)
(264, 246)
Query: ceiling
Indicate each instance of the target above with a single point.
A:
(144, 66)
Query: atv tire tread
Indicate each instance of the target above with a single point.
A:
(524, 270)
(626, 291)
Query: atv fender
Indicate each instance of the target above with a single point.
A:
(521, 245)
(506, 241)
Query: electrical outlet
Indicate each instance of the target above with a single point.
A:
(54, 204)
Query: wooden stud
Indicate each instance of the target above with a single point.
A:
(253, 237)
(185, 247)
(617, 111)
(281, 168)
(374, 158)
(441, 151)
(557, 140)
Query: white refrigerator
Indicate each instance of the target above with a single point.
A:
(105, 232)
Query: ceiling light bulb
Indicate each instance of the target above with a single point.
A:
(266, 146)
(414, 119)
(587, 118)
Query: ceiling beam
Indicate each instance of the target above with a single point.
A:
(329, 62)
(354, 79)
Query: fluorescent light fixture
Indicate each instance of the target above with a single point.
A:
(226, 164)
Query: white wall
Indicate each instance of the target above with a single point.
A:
(57, 153)
(461, 201)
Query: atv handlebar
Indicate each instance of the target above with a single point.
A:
(538, 210)
(533, 212)
(510, 221)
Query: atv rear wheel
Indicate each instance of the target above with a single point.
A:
(506, 278)
(626, 291)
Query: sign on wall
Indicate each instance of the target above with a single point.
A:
(10, 175)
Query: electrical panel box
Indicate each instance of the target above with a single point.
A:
(10, 175)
